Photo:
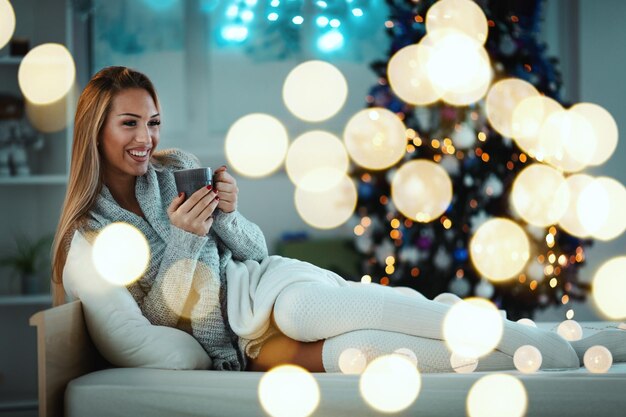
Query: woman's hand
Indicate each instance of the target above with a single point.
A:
(195, 214)
(227, 189)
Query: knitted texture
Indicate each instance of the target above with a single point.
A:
(182, 264)
(310, 312)
(432, 355)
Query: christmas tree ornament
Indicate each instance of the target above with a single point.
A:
(484, 289)
(460, 287)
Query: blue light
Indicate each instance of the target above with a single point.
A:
(247, 16)
(335, 23)
(330, 41)
(322, 4)
(235, 33)
(275, 3)
(232, 11)
(297, 20)
(272, 17)
(251, 3)
(322, 21)
(357, 12)
(160, 4)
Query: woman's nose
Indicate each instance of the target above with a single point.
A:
(143, 136)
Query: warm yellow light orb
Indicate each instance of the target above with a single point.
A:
(463, 15)
(390, 383)
(570, 222)
(408, 76)
(604, 127)
(602, 208)
(352, 361)
(528, 118)
(502, 99)
(421, 190)
(288, 391)
(499, 249)
(7, 22)
(328, 208)
(497, 395)
(567, 141)
(472, 328)
(527, 359)
(121, 253)
(51, 117)
(47, 73)
(315, 91)
(609, 288)
(456, 65)
(540, 195)
(256, 145)
(316, 160)
(375, 138)
(570, 330)
(598, 359)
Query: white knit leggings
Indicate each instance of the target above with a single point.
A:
(378, 320)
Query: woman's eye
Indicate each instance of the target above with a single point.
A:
(155, 123)
(130, 123)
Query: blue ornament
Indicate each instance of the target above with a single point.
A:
(460, 254)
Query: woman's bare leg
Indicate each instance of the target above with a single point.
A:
(282, 350)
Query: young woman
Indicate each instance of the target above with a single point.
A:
(247, 309)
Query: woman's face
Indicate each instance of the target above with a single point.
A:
(130, 133)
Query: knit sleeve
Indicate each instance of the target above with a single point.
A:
(174, 159)
(244, 238)
(163, 301)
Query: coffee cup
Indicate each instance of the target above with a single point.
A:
(189, 181)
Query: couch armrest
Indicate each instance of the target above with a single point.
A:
(64, 352)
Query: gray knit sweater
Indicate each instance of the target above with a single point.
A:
(182, 263)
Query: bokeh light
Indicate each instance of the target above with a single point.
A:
(540, 195)
(408, 354)
(121, 253)
(608, 288)
(390, 383)
(499, 249)
(502, 99)
(7, 22)
(456, 65)
(527, 359)
(604, 127)
(602, 208)
(352, 361)
(570, 330)
(528, 118)
(328, 208)
(315, 91)
(472, 328)
(598, 359)
(570, 221)
(316, 160)
(421, 190)
(567, 140)
(527, 322)
(179, 297)
(375, 138)
(463, 15)
(256, 145)
(497, 395)
(46, 73)
(408, 76)
(51, 117)
(288, 391)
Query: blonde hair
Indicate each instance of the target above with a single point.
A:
(85, 177)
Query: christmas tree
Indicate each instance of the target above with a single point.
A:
(434, 257)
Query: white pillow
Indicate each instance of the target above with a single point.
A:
(118, 329)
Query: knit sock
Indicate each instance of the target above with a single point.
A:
(612, 339)
(309, 312)
(432, 355)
